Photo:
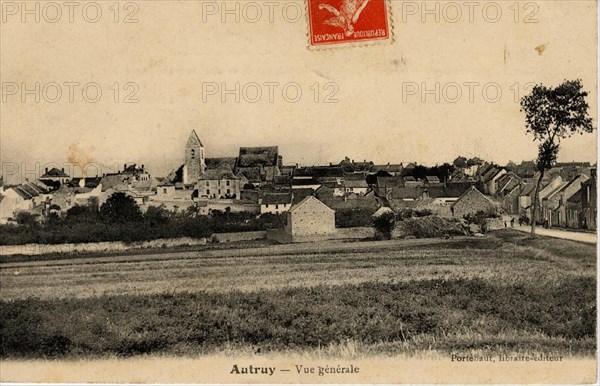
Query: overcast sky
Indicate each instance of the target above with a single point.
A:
(177, 49)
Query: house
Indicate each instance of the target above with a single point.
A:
(384, 185)
(20, 198)
(574, 213)
(358, 186)
(526, 199)
(507, 183)
(432, 180)
(275, 203)
(589, 208)
(87, 190)
(410, 181)
(555, 183)
(491, 178)
(259, 164)
(220, 183)
(310, 217)
(55, 177)
(471, 202)
(554, 206)
(392, 169)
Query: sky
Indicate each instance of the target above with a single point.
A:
(443, 88)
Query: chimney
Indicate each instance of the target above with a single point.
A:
(46, 170)
(63, 170)
(124, 167)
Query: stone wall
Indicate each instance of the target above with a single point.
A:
(238, 236)
(108, 246)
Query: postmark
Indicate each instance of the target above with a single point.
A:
(343, 22)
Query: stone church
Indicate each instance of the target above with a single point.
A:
(195, 164)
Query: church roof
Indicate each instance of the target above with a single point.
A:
(195, 136)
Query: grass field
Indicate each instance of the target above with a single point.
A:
(502, 293)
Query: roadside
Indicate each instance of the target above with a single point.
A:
(584, 237)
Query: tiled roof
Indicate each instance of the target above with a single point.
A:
(393, 168)
(319, 171)
(356, 184)
(432, 179)
(216, 162)
(406, 192)
(276, 198)
(222, 173)
(255, 156)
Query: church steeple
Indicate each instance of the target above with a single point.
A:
(194, 159)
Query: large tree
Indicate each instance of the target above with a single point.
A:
(120, 208)
(551, 115)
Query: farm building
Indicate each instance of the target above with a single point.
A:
(310, 217)
(471, 202)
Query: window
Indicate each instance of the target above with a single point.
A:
(208, 191)
(228, 182)
(267, 206)
(228, 191)
(207, 183)
(165, 190)
(276, 206)
(193, 153)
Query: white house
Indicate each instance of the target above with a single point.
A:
(276, 203)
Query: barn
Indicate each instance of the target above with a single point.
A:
(471, 202)
(310, 217)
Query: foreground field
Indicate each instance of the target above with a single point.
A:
(502, 293)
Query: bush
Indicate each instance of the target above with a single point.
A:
(431, 226)
(384, 224)
(351, 218)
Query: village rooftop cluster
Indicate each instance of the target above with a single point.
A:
(257, 181)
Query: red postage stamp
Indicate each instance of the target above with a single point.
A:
(347, 21)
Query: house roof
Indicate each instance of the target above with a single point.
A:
(308, 199)
(300, 194)
(217, 162)
(276, 198)
(258, 156)
(409, 178)
(474, 189)
(319, 171)
(1, 181)
(356, 184)
(221, 173)
(528, 189)
(89, 182)
(404, 192)
(432, 179)
(575, 198)
(389, 182)
(54, 173)
(392, 168)
(112, 180)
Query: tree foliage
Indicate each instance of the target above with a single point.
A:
(551, 115)
(120, 208)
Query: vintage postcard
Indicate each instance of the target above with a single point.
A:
(298, 191)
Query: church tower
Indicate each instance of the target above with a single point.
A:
(194, 159)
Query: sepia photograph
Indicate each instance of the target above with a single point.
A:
(298, 192)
